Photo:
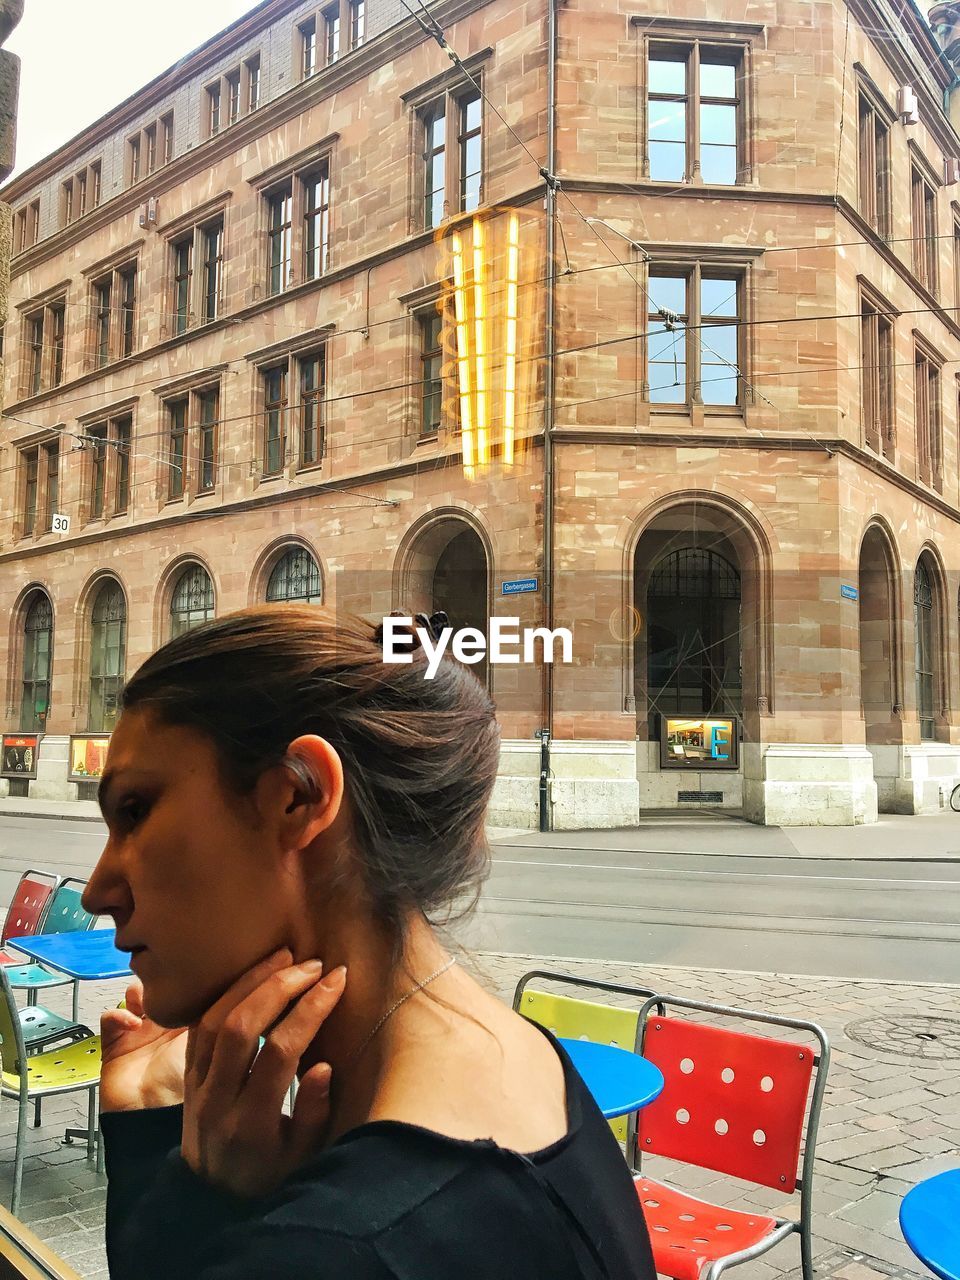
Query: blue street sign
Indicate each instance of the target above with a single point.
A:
(849, 593)
(520, 586)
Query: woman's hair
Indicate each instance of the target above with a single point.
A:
(419, 756)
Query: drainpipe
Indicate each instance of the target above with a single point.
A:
(549, 407)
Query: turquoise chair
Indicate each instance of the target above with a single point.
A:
(64, 914)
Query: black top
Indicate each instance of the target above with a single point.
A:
(387, 1201)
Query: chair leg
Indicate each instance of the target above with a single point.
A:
(22, 1104)
(36, 1112)
(806, 1251)
(76, 1001)
(92, 1122)
(31, 997)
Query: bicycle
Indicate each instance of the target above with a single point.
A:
(955, 798)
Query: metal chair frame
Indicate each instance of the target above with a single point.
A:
(56, 980)
(24, 1095)
(821, 1065)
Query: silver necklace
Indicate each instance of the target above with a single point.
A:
(403, 999)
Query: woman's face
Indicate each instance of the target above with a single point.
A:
(200, 890)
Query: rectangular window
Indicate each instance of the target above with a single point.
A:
(876, 338)
(693, 344)
(176, 447)
(123, 433)
(182, 284)
(280, 229)
(212, 235)
(96, 183)
(308, 48)
(331, 31)
(213, 109)
(928, 420)
(66, 203)
(874, 167)
(32, 469)
(253, 83)
(81, 193)
(694, 113)
(58, 318)
(98, 470)
(35, 350)
(128, 311)
(33, 224)
(434, 159)
(312, 383)
(101, 295)
(358, 23)
(233, 97)
(924, 222)
(471, 152)
(133, 159)
(150, 136)
(20, 231)
(316, 217)
(52, 493)
(166, 137)
(431, 378)
(209, 414)
(275, 410)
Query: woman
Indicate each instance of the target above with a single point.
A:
(286, 812)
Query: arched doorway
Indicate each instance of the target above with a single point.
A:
(446, 567)
(108, 656)
(879, 677)
(928, 669)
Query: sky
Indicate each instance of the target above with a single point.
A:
(81, 59)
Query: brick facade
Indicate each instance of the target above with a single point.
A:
(787, 482)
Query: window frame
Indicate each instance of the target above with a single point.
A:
(188, 270)
(924, 217)
(688, 49)
(928, 413)
(448, 104)
(149, 149)
(695, 271)
(878, 372)
(291, 183)
(111, 291)
(39, 465)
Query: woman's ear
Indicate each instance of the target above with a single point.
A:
(311, 787)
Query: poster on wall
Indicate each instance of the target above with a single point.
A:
(709, 743)
(18, 755)
(88, 755)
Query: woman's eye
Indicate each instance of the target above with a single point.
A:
(131, 811)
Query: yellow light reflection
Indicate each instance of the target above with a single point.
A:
(510, 341)
(463, 357)
(480, 344)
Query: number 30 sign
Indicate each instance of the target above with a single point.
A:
(60, 524)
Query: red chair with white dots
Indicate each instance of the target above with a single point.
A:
(741, 1104)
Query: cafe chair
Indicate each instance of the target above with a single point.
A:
(63, 914)
(736, 1103)
(25, 912)
(28, 1078)
(575, 1019)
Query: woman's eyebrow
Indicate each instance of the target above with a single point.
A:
(109, 781)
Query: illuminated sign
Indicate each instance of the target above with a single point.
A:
(88, 755)
(18, 755)
(709, 743)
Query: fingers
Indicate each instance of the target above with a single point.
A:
(236, 1040)
(114, 1022)
(133, 997)
(311, 1113)
(203, 1036)
(276, 1064)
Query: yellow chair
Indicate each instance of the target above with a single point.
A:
(575, 1019)
(41, 1075)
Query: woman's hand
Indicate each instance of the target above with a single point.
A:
(142, 1063)
(235, 1134)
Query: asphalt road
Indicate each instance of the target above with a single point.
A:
(637, 897)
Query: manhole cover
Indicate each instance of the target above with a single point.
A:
(911, 1036)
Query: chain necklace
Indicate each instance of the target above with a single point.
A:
(403, 999)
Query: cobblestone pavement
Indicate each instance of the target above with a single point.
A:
(891, 1115)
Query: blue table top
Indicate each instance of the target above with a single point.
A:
(619, 1080)
(84, 953)
(930, 1222)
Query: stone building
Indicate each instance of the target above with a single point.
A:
(708, 261)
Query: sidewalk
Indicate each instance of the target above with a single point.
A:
(891, 1115)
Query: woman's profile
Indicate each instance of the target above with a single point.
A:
(286, 814)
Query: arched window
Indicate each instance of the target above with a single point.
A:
(37, 637)
(295, 579)
(693, 635)
(108, 652)
(926, 654)
(192, 600)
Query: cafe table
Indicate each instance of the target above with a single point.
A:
(930, 1222)
(620, 1081)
